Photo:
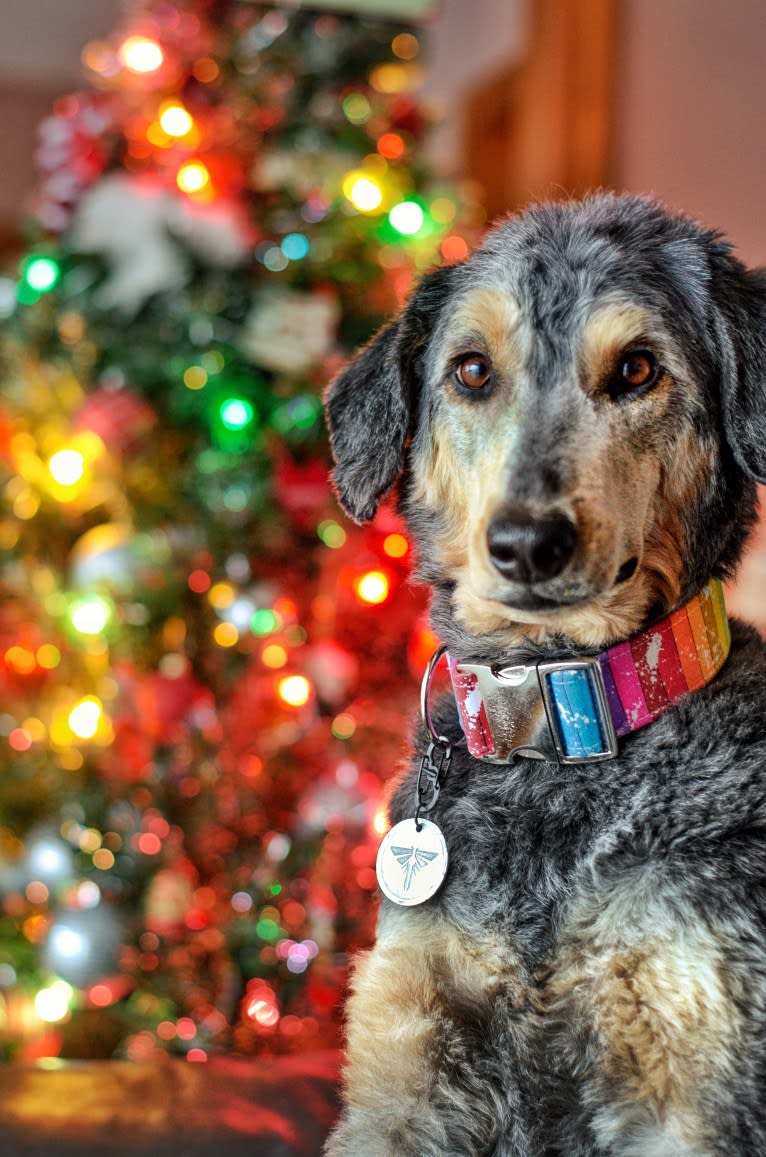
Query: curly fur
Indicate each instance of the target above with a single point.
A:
(590, 981)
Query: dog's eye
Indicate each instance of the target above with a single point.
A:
(636, 370)
(473, 372)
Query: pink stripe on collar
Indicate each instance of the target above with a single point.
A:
(681, 653)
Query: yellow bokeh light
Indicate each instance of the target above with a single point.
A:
(395, 545)
(363, 193)
(373, 587)
(156, 135)
(85, 717)
(193, 177)
(90, 840)
(67, 467)
(221, 595)
(226, 635)
(274, 656)
(394, 78)
(25, 505)
(195, 378)
(9, 535)
(175, 120)
(52, 1003)
(69, 758)
(35, 729)
(294, 690)
(140, 54)
(48, 656)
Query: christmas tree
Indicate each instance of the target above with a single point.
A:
(206, 671)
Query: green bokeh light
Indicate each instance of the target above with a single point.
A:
(41, 274)
(236, 413)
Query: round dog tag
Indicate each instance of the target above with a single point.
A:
(412, 864)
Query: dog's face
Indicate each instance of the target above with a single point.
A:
(575, 414)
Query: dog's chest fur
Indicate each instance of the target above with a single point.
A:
(575, 978)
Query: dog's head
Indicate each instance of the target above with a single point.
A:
(575, 416)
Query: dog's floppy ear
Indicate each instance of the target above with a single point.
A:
(370, 405)
(741, 326)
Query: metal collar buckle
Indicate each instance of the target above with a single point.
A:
(553, 710)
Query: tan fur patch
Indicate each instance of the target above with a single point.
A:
(398, 1000)
(663, 1023)
(596, 625)
(661, 1001)
(440, 487)
(611, 330)
(492, 319)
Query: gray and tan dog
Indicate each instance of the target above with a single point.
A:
(575, 418)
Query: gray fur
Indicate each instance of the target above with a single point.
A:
(570, 888)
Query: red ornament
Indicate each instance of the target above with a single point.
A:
(301, 488)
(121, 419)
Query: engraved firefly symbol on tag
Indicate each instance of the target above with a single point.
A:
(412, 860)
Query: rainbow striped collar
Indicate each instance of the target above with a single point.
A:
(575, 710)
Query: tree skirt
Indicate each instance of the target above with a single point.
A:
(270, 1107)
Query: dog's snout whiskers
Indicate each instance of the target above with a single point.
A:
(529, 548)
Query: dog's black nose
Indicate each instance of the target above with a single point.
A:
(526, 548)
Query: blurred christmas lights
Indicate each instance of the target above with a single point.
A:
(85, 717)
(91, 614)
(373, 587)
(175, 120)
(67, 467)
(41, 274)
(140, 54)
(52, 1003)
(193, 177)
(407, 217)
(236, 413)
(363, 192)
(160, 670)
(294, 690)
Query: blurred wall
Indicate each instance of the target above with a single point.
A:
(690, 103)
(467, 43)
(22, 106)
(40, 45)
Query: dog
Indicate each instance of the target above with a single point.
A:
(571, 947)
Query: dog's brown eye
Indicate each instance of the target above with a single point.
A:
(637, 370)
(473, 372)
